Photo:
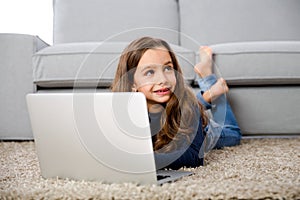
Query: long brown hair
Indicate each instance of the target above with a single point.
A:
(183, 109)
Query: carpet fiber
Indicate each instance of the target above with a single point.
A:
(256, 169)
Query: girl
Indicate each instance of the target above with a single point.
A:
(181, 131)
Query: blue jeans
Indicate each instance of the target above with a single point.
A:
(222, 129)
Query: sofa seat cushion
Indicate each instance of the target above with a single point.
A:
(258, 63)
(89, 64)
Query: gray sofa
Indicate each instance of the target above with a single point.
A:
(16, 81)
(256, 48)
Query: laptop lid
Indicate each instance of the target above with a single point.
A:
(93, 136)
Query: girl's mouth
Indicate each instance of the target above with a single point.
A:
(162, 91)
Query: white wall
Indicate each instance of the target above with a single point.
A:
(32, 17)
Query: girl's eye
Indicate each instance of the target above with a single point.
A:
(168, 68)
(149, 72)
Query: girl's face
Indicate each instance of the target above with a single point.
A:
(155, 76)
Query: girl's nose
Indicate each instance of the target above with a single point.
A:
(161, 78)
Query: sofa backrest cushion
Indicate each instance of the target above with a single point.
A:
(207, 22)
(114, 20)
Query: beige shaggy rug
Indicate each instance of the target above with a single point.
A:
(256, 169)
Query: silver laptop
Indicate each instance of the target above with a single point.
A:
(95, 136)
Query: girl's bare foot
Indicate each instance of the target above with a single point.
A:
(219, 88)
(204, 68)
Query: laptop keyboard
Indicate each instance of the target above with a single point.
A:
(160, 177)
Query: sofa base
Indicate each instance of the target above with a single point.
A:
(260, 111)
(273, 110)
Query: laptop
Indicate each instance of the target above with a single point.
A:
(95, 136)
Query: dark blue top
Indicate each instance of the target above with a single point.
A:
(188, 153)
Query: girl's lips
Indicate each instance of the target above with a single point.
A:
(162, 91)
